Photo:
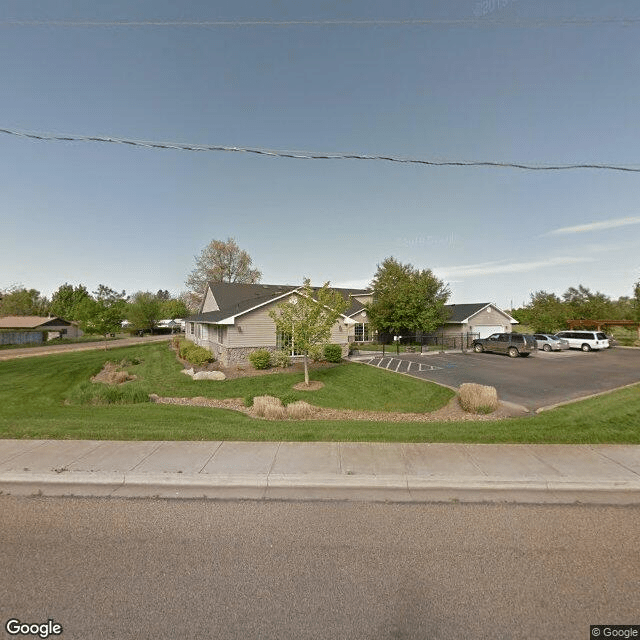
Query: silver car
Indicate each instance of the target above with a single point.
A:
(550, 342)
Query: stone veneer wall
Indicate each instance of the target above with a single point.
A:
(230, 356)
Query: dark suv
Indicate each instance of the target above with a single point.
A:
(513, 344)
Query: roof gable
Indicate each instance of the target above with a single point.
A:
(461, 313)
(235, 299)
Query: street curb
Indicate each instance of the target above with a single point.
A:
(303, 487)
(593, 395)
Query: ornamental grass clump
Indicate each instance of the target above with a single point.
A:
(269, 407)
(300, 409)
(478, 398)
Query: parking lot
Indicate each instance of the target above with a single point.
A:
(540, 380)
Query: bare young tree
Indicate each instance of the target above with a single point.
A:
(221, 262)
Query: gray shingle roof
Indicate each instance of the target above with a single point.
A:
(460, 312)
(235, 299)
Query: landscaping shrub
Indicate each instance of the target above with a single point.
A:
(280, 359)
(260, 359)
(332, 352)
(196, 355)
(478, 398)
(269, 407)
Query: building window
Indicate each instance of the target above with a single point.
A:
(284, 342)
(191, 328)
(361, 332)
(220, 334)
(205, 332)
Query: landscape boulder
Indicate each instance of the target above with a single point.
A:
(209, 375)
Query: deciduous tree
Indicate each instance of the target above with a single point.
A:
(66, 300)
(221, 262)
(18, 301)
(103, 313)
(144, 310)
(308, 318)
(545, 313)
(406, 298)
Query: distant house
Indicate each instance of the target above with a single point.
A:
(234, 320)
(29, 329)
(483, 318)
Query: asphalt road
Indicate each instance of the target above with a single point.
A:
(196, 569)
(540, 380)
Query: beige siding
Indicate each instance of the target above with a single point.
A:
(490, 316)
(210, 303)
(339, 333)
(254, 329)
(364, 299)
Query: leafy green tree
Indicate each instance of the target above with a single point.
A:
(636, 302)
(406, 298)
(144, 310)
(102, 313)
(308, 318)
(173, 308)
(220, 262)
(18, 301)
(67, 299)
(546, 313)
(583, 304)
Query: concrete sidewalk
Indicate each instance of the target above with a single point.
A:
(563, 474)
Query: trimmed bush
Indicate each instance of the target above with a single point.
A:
(332, 352)
(280, 359)
(194, 354)
(260, 359)
(478, 398)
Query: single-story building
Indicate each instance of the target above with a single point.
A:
(27, 329)
(234, 320)
(483, 318)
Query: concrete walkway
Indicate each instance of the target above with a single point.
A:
(563, 474)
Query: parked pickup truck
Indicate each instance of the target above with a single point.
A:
(513, 344)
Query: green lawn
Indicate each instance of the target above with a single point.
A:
(34, 392)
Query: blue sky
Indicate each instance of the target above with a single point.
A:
(134, 218)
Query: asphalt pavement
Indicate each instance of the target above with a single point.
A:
(391, 472)
(540, 381)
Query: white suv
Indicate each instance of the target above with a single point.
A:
(585, 340)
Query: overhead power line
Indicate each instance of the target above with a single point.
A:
(308, 155)
(424, 22)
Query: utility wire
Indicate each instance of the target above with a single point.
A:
(426, 22)
(307, 155)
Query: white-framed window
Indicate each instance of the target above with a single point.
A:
(284, 342)
(361, 332)
(220, 331)
(204, 333)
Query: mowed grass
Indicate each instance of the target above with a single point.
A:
(33, 392)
